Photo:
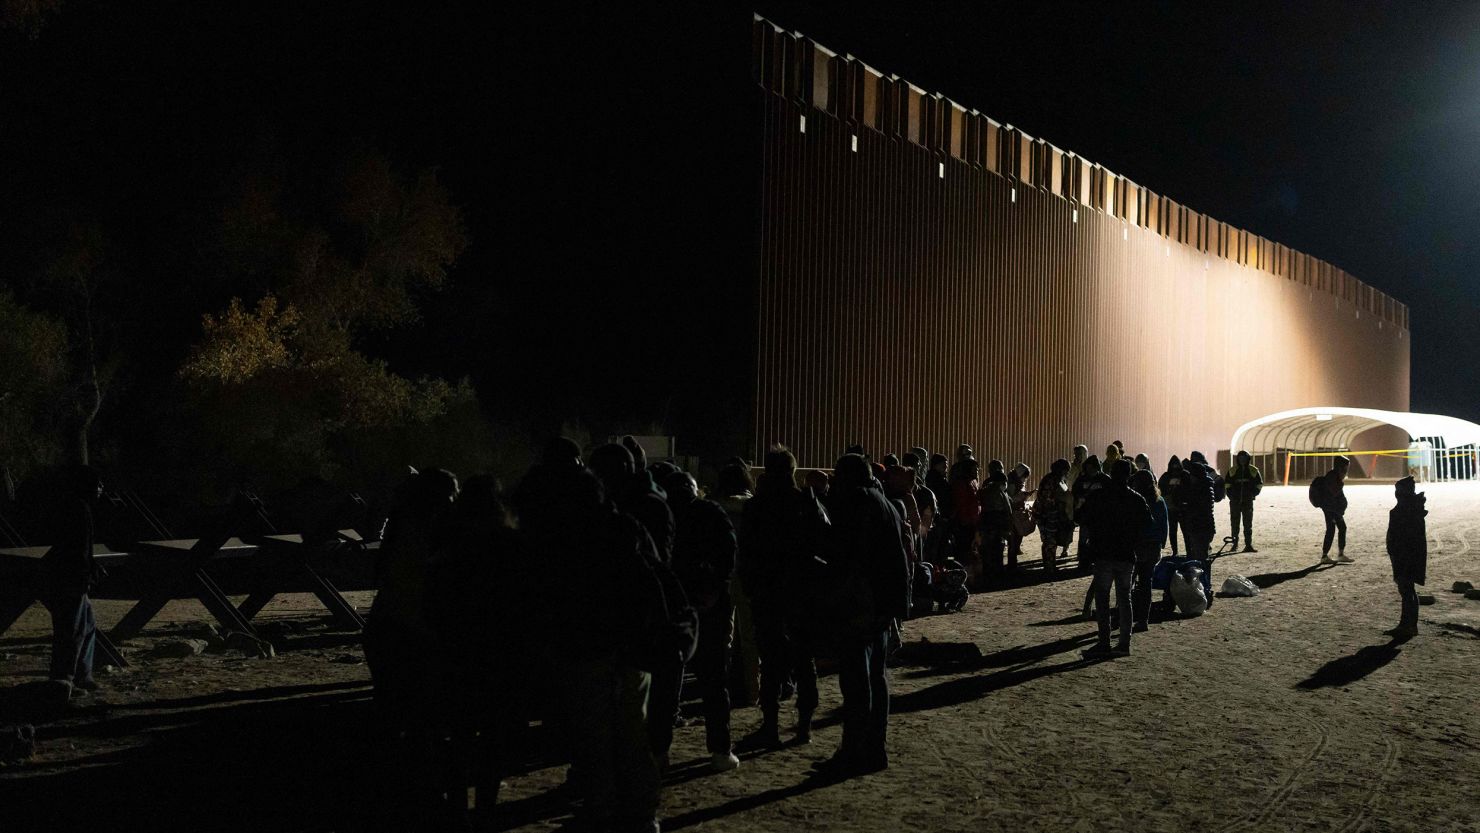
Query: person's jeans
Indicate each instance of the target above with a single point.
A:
(712, 669)
(1146, 557)
(865, 688)
(784, 653)
(74, 637)
(604, 704)
(1409, 594)
(1172, 520)
(1335, 523)
(1120, 573)
(1244, 511)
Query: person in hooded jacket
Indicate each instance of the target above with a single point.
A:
(995, 523)
(1114, 518)
(604, 633)
(1170, 487)
(1243, 483)
(704, 560)
(1195, 512)
(634, 492)
(1018, 493)
(1052, 512)
(937, 482)
(965, 511)
(1148, 548)
(1408, 549)
(782, 533)
(867, 551)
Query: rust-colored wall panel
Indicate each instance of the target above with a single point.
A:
(899, 307)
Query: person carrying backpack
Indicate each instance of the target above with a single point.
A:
(1243, 482)
(1170, 487)
(1329, 493)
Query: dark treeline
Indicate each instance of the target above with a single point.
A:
(244, 243)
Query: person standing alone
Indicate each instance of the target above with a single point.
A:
(1243, 483)
(1330, 490)
(1408, 548)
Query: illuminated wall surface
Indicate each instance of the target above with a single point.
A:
(929, 276)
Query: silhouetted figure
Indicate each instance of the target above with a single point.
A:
(1170, 486)
(704, 560)
(733, 488)
(1019, 492)
(481, 606)
(1076, 467)
(1092, 478)
(634, 493)
(1148, 547)
(68, 573)
(938, 483)
(995, 522)
(398, 633)
(869, 559)
(402, 649)
(782, 534)
(1195, 501)
(965, 510)
(604, 631)
(1332, 493)
(1408, 549)
(1053, 512)
(1243, 483)
(916, 461)
(1114, 518)
(1143, 463)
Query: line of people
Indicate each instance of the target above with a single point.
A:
(585, 598)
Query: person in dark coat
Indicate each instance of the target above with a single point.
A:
(598, 631)
(1092, 478)
(1195, 506)
(782, 533)
(995, 522)
(703, 559)
(1408, 548)
(1333, 508)
(68, 573)
(1170, 487)
(1148, 548)
(1114, 518)
(867, 553)
(1243, 482)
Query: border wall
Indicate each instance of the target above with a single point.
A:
(929, 276)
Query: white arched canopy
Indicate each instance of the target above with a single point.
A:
(1312, 429)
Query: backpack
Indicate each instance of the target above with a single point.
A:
(1220, 489)
(1317, 493)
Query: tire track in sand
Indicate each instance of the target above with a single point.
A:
(1257, 820)
(1359, 819)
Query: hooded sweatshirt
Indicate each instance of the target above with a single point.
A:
(1407, 539)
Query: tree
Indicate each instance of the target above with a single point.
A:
(33, 380)
(280, 389)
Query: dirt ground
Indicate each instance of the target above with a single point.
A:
(1290, 711)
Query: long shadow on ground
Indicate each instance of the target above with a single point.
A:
(1264, 581)
(1348, 669)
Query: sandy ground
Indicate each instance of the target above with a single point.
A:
(1291, 711)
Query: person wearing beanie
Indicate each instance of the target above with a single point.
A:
(1408, 549)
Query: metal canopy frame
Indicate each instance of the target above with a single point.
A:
(1332, 428)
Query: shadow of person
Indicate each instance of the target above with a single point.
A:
(1348, 669)
(1264, 581)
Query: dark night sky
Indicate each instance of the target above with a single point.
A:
(600, 155)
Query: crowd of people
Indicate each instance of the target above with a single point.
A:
(586, 596)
